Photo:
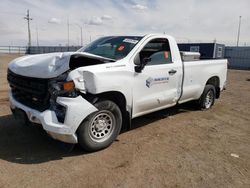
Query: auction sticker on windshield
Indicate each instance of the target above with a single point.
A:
(132, 41)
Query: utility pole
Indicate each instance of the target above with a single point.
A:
(81, 32)
(68, 29)
(81, 37)
(28, 21)
(37, 41)
(238, 37)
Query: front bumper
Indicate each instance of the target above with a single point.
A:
(77, 109)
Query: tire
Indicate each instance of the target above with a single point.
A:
(100, 128)
(207, 98)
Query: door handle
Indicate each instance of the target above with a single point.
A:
(171, 72)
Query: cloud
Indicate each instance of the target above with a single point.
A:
(124, 17)
(106, 17)
(54, 21)
(139, 7)
(95, 20)
(131, 2)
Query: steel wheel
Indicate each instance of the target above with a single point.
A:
(102, 126)
(209, 99)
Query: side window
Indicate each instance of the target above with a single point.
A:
(157, 51)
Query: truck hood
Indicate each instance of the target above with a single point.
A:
(49, 65)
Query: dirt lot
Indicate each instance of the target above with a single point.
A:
(179, 147)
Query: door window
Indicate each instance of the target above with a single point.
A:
(157, 51)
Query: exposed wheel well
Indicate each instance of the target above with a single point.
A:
(215, 81)
(118, 98)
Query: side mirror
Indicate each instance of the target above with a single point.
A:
(140, 64)
(137, 60)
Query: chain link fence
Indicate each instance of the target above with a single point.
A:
(37, 49)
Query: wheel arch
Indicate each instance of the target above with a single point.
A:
(215, 81)
(118, 98)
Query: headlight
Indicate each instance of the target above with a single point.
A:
(63, 86)
(67, 86)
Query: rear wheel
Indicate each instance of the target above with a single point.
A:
(207, 98)
(100, 128)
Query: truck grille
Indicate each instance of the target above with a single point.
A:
(32, 92)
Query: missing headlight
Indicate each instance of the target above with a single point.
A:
(59, 110)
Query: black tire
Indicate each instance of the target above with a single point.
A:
(100, 128)
(206, 102)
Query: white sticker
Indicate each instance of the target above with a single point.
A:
(132, 41)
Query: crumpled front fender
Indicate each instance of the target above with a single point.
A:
(77, 109)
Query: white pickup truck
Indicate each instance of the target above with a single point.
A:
(88, 96)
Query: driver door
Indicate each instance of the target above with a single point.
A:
(156, 86)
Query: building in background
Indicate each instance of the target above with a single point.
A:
(207, 50)
(238, 57)
(50, 49)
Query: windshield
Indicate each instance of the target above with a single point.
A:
(112, 47)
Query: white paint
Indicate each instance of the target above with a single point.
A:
(45, 65)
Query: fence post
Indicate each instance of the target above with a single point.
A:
(9, 49)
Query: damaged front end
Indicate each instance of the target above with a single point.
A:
(54, 103)
(38, 80)
(49, 90)
(60, 87)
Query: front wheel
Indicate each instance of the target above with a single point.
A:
(207, 98)
(100, 128)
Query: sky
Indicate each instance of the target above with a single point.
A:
(186, 20)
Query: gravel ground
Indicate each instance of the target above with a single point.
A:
(177, 147)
